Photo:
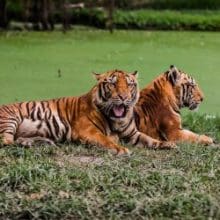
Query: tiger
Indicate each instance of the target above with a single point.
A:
(101, 117)
(157, 113)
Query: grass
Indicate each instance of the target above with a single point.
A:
(30, 62)
(76, 182)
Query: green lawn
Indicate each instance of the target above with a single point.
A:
(30, 61)
(77, 182)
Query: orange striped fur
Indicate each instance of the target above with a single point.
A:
(158, 109)
(95, 118)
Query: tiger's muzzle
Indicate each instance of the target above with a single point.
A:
(194, 105)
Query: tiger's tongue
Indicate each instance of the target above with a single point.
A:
(118, 110)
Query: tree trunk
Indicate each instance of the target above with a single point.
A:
(110, 8)
(44, 14)
(3, 14)
(36, 13)
(65, 16)
(51, 13)
(26, 15)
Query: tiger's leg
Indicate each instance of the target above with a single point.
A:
(24, 141)
(143, 140)
(7, 131)
(96, 137)
(8, 126)
(7, 138)
(134, 137)
(183, 135)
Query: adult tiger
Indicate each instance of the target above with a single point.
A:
(158, 109)
(94, 118)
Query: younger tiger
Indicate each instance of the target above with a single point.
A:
(94, 118)
(158, 109)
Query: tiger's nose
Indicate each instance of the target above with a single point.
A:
(123, 96)
(201, 99)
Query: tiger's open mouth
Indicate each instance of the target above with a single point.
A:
(118, 111)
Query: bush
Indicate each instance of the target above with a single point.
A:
(168, 20)
(169, 4)
(92, 17)
(142, 19)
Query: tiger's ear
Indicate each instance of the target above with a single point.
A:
(135, 74)
(173, 75)
(97, 76)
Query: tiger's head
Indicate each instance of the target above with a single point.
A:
(186, 90)
(116, 93)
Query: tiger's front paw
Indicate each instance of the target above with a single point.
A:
(25, 142)
(205, 140)
(167, 145)
(121, 151)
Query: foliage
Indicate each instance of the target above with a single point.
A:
(175, 4)
(139, 19)
(92, 17)
(168, 20)
(151, 19)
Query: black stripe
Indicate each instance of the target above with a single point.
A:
(78, 106)
(49, 113)
(8, 110)
(9, 122)
(102, 92)
(4, 122)
(127, 125)
(102, 123)
(151, 97)
(62, 121)
(48, 110)
(67, 128)
(20, 113)
(39, 126)
(76, 109)
(50, 129)
(67, 109)
(56, 126)
(96, 125)
(33, 111)
(130, 135)
(137, 140)
(28, 108)
(32, 115)
(9, 132)
(183, 93)
(136, 118)
(6, 130)
(9, 118)
(38, 114)
(43, 107)
(72, 109)
(5, 109)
